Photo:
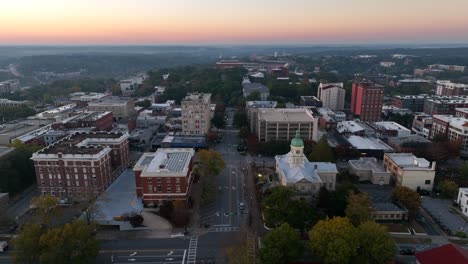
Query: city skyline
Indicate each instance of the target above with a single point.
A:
(146, 22)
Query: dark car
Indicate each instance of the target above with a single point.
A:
(407, 251)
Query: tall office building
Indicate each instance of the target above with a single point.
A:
(367, 100)
(332, 95)
(196, 114)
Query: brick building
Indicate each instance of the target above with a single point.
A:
(101, 121)
(81, 164)
(196, 114)
(444, 105)
(164, 175)
(367, 100)
(415, 103)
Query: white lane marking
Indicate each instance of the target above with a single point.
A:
(133, 254)
(183, 259)
(170, 253)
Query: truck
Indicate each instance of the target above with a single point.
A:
(3, 246)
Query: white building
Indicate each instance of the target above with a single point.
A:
(369, 169)
(392, 129)
(455, 128)
(9, 86)
(295, 170)
(387, 64)
(9, 103)
(410, 171)
(462, 200)
(445, 87)
(196, 114)
(332, 95)
(129, 86)
(281, 124)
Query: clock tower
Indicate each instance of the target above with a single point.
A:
(296, 156)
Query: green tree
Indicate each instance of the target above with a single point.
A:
(46, 207)
(335, 240)
(448, 188)
(240, 119)
(26, 243)
(359, 208)
(72, 243)
(408, 198)
(281, 245)
(254, 96)
(145, 103)
(244, 132)
(211, 162)
(322, 152)
(375, 245)
(218, 121)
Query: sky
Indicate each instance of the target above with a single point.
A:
(193, 22)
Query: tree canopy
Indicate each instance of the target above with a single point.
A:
(211, 162)
(448, 188)
(335, 240)
(240, 119)
(322, 152)
(407, 197)
(375, 244)
(281, 245)
(359, 208)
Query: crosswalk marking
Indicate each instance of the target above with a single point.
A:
(192, 251)
(225, 229)
(251, 248)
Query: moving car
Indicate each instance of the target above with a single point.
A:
(241, 206)
(407, 251)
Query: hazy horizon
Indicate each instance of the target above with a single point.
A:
(241, 22)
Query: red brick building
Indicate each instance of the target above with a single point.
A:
(367, 100)
(164, 175)
(102, 121)
(81, 164)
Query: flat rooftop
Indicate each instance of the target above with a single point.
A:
(261, 104)
(389, 125)
(406, 139)
(201, 97)
(368, 164)
(165, 162)
(368, 143)
(408, 161)
(74, 144)
(286, 115)
(349, 126)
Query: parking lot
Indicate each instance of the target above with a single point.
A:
(441, 211)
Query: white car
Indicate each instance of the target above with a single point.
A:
(241, 206)
(3, 246)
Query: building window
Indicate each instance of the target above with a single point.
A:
(428, 182)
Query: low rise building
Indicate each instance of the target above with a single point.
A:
(129, 86)
(81, 165)
(384, 209)
(82, 99)
(422, 125)
(9, 103)
(369, 169)
(248, 88)
(414, 103)
(100, 121)
(280, 124)
(461, 112)
(165, 175)
(295, 170)
(120, 107)
(59, 113)
(14, 129)
(9, 86)
(388, 129)
(310, 101)
(369, 146)
(449, 253)
(410, 171)
(453, 128)
(447, 67)
(444, 105)
(390, 109)
(450, 88)
(351, 128)
(407, 144)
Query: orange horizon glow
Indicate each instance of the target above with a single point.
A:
(209, 21)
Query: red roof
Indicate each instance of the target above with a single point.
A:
(449, 253)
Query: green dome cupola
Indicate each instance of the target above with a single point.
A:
(297, 140)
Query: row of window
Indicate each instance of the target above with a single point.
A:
(70, 183)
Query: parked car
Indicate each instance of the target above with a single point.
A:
(407, 251)
(241, 206)
(3, 246)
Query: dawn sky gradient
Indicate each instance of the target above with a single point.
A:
(124, 22)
